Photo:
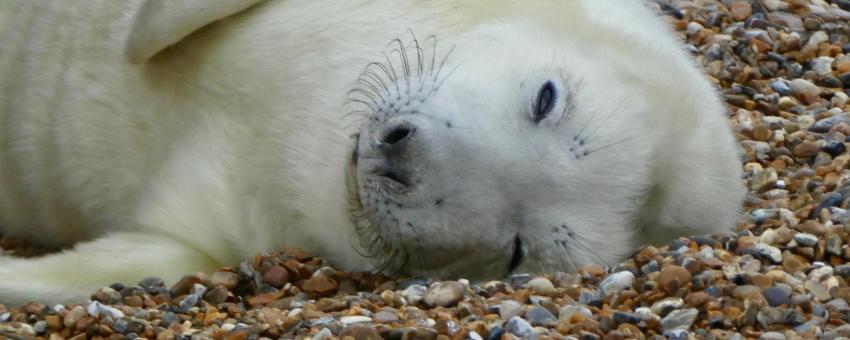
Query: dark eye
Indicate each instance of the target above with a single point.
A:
(545, 101)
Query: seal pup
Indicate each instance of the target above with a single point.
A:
(432, 138)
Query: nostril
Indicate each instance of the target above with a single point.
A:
(397, 134)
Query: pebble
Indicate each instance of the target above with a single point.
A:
(95, 308)
(519, 327)
(541, 286)
(348, 320)
(679, 319)
(617, 282)
(672, 273)
(510, 308)
(806, 239)
(444, 294)
(801, 87)
(664, 306)
(777, 296)
(770, 252)
(227, 279)
(540, 316)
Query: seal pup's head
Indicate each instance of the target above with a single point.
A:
(512, 147)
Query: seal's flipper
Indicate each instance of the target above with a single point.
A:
(73, 275)
(162, 23)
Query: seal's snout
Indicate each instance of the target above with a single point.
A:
(396, 140)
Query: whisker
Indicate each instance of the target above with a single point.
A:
(618, 142)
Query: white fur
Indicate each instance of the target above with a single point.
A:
(234, 140)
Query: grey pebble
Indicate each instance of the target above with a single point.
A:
(679, 319)
(623, 317)
(591, 298)
(839, 304)
(40, 326)
(386, 317)
(806, 239)
(168, 319)
(519, 327)
(777, 296)
(771, 252)
(540, 316)
(772, 336)
(193, 298)
(510, 308)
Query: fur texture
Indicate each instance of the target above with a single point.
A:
(235, 139)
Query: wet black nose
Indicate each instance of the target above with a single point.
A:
(396, 139)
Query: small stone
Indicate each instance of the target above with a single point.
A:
(672, 273)
(348, 320)
(444, 294)
(540, 316)
(386, 317)
(360, 332)
(566, 313)
(510, 308)
(193, 298)
(801, 87)
(772, 336)
(777, 296)
(227, 279)
(770, 252)
(276, 276)
(541, 286)
(216, 295)
(623, 317)
(95, 308)
(741, 10)
(679, 319)
(519, 327)
(617, 282)
(764, 180)
(806, 239)
(324, 334)
(17, 330)
(320, 284)
(413, 293)
(806, 149)
(664, 306)
(834, 148)
(74, 315)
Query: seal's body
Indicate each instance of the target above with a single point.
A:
(156, 138)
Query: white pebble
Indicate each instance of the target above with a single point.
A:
(617, 282)
(349, 320)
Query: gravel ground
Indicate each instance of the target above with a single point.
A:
(781, 274)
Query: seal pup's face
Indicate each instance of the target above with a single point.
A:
(506, 149)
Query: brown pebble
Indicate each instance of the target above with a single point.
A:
(184, 285)
(793, 263)
(361, 332)
(697, 299)
(320, 284)
(672, 273)
(741, 10)
(813, 227)
(806, 149)
(276, 276)
(762, 281)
